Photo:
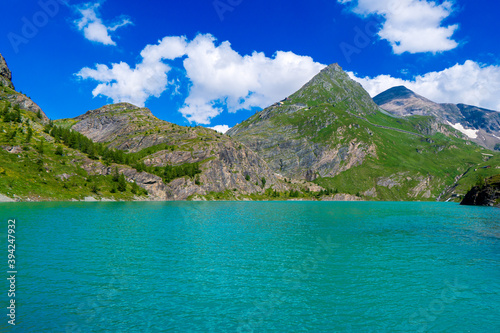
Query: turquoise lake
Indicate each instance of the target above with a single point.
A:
(253, 267)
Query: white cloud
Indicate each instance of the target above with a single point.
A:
(92, 26)
(410, 25)
(122, 83)
(470, 83)
(221, 128)
(218, 76)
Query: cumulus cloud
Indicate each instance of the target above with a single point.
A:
(218, 76)
(92, 26)
(221, 128)
(122, 83)
(469, 83)
(412, 26)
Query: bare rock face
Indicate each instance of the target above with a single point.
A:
(343, 197)
(487, 194)
(112, 121)
(152, 183)
(5, 73)
(27, 104)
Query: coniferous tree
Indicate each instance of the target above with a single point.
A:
(5, 109)
(40, 147)
(122, 183)
(116, 175)
(59, 151)
(11, 134)
(16, 116)
(29, 134)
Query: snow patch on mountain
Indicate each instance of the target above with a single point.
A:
(469, 132)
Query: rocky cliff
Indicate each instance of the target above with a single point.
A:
(478, 125)
(8, 93)
(5, 74)
(486, 194)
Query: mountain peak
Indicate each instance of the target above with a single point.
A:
(333, 86)
(399, 92)
(333, 68)
(117, 108)
(5, 73)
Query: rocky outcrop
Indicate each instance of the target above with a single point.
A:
(487, 194)
(114, 121)
(5, 73)
(14, 97)
(342, 197)
(27, 104)
(13, 149)
(152, 183)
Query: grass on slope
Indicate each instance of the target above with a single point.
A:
(438, 158)
(44, 170)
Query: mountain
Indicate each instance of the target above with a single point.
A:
(122, 152)
(10, 95)
(481, 126)
(327, 141)
(36, 167)
(331, 132)
(290, 135)
(226, 165)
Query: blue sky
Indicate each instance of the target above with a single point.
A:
(217, 62)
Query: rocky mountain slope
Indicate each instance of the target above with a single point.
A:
(480, 125)
(331, 132)
(226, 165)
(34, 167)
(290, 134)
(9, 94)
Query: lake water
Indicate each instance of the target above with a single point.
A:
(254, 267)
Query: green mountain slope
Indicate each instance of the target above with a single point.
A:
(331, 132)
(33, 167)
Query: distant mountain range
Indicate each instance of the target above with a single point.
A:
(480, 125)
(327, 141)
